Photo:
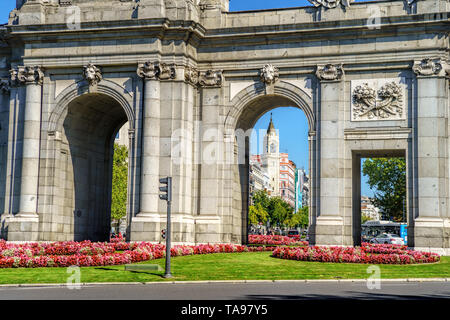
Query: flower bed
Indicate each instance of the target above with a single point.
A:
(367, 253)
(275, 240)
(86, 253)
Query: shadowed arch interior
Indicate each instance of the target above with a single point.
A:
(90, 122)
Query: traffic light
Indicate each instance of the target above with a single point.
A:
(163, 233)
(166, 189)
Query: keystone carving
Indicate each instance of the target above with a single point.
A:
(269, 74)
(330, 72)
(369, 104)
(331, 3)
(427, 67)
(92, 74)
(26, 75)
(156, 71)
(211, 78)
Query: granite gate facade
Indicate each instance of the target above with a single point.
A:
(191, 78)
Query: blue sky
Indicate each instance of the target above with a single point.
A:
(291, 122)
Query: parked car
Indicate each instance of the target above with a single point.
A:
(388, 238)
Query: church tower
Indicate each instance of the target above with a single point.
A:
(271, 158)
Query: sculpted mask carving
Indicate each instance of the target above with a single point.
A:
(386, 103)
(269, 74)
(191, 75)
(211, 78)
(166, 72)
(155, 70)
(331, 3)
(148, 70)
(26, 75)
(92, 74)
(330, 72)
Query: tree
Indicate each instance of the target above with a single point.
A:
(257, 214)
(388, 177)
(262, 198)
(279, 211)
(119, 183)
(299, 219)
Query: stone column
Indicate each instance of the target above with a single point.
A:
(146, 224)
(330, 222)
(24, 225)
(431, 227)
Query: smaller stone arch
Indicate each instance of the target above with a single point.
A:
(253, 99)
(80, 88)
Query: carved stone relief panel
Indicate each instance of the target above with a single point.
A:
(378, 99)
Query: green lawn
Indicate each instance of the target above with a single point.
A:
(228, 266)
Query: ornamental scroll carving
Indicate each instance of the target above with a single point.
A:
(427, 67)
(378, 100)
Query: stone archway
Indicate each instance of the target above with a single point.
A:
(248, 106)
(81, 137)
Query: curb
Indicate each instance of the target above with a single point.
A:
(88, 284)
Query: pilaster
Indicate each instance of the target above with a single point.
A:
(24, 225)
(330, 221)
(431, 222)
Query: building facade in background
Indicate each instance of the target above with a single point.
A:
(369, 210)
(301, 189)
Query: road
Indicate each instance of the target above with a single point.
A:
(278, 290)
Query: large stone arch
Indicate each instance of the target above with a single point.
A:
(283, 93)
(106, 87)
(81, 131)
(246, 108)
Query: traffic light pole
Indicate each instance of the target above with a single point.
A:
(168, 197)
(168, 241)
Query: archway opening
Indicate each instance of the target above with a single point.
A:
(279, 174)
(89, 129)
(380, 197)
(299, 110)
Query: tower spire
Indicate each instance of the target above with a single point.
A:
(271, 125)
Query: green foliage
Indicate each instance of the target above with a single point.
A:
(279, 212)
(388, 177)
(365, 218)
(299, 219)
(257, 214)
(119, 182)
